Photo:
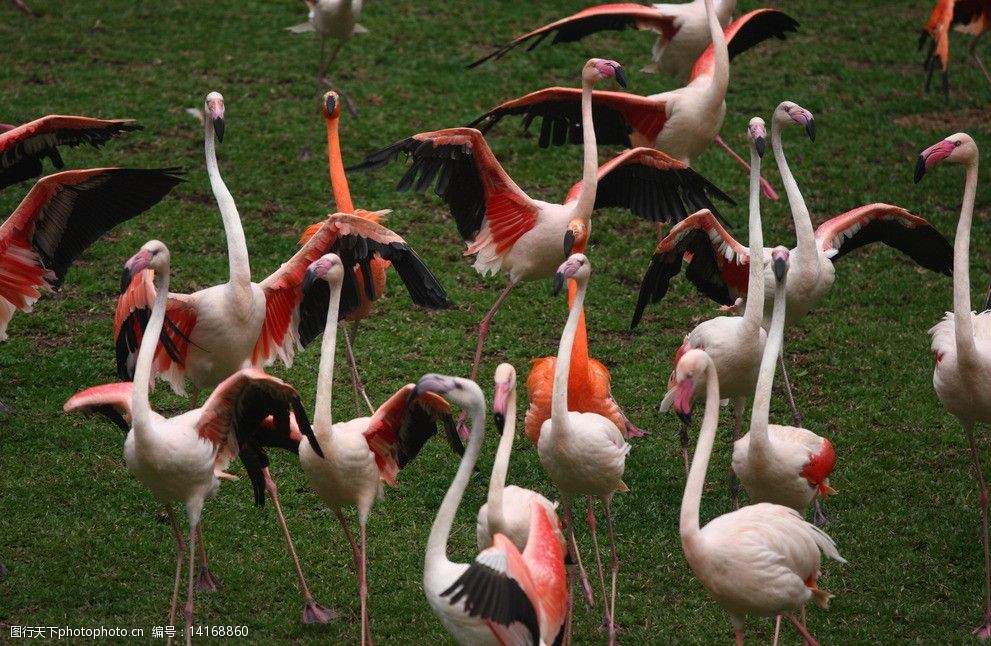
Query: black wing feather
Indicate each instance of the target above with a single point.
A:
(923, 244)
(494, 597)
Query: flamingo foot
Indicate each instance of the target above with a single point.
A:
(984, 631)
(586, 588)
(314, 613)
(206, 582)
(630, 430)
(819, 516)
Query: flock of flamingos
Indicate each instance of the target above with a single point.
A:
(762, 559)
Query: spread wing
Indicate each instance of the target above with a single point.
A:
(745, 32)
(23, 148)
(113, 401)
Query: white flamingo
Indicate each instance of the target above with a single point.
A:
(961, 342)
(583, 453)
(507, 509)
(785, 465)
(502, 596)
(759, 560)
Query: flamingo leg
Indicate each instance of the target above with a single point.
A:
(819, 516)
(194, 396)
(194, 529)
(738, 634)
(980, 63)
(355, 550)
(809, 639)
(359, 387)
(483, 331)
(615, 572)
(205, 581)
(582, 574)
(983, 631)
(366, 628)
(734, 484)
(791, 399)
(777, 629)
(313, 612)
(180, 549)
(304, 152)
(598, 560)
(765, 186)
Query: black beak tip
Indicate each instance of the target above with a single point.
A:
(686, 418)
(331, 104)
(810, 129)
(125, 279)
(308, 279)
(500, 421)
(759, 145)
(218, 128)
(779, 268)
(569, 242)
(920, 168)
(620, 76)
(558, 283)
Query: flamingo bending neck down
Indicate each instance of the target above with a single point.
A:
(759, 560)
(961, 342)
(969, 16)
(784, 465)
(735, 344)
(583, 453)
(361, 453)
(502, 596)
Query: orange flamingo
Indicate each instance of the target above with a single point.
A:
(969, 16)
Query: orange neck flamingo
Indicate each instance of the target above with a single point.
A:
(502, 596)
(962, 374)
(969, 16)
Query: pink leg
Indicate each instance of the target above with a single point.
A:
(190, 589)
(734, 485)
(483, 331)
(582, 574)
(355, 551)
(205, 581)
(180, 555)
(809, 639)
(777, 630)
(313, 612)
(359, 388)
(739, 637)
(767, 189)
(791, 399)
(983, 631)
(366, 628)
(23, 7)
(598, 559)
(970, 48)
(615, 572)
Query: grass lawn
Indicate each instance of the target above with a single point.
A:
(86, 545)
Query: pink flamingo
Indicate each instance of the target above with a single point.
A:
(361, 453)
(682, 31)
(502, 596)
(114, 402)
(969, 16)
(759, 560)
(177, 458)
(959, 342)
(22, 148)
(681, 122)
(511, 232)
(734, 343)
(583, 453)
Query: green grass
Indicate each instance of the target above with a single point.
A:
(86, 545)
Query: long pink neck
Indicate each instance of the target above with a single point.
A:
(753, 313)
(962, 323)
(140, 407)
(590, 161)
(720, 66)
(237, 246)
(497, 483)
(691, 501)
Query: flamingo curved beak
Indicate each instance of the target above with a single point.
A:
(932, 156)
(569, 242)
(215, 112)
(620, 75)
(330, 102)
(683, 400)
(433, 383)
(135, 264)
(500, 405)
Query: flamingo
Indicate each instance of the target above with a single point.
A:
(213, 332)
(682, 31)
(969, 16)
(113, 401)
(681, 122)
(176, 458)
(359, 454)
(502, 596)
(507, 509)
(583, 453)
(783, 465)
(337, 20)
(510, 231)
(960, 341)
(735, 344)
(759, 560)
(718, 264)
(24, 147)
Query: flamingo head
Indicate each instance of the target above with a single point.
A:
(331, 105)
(779, 258)
(329, 267)
(757, 134)
(959, 148)
(576, 236)
(689, 375)
(463, 392)
(214, 111)
(505, 384)
(576, 266)
(600, 69)
(788, 113)
(153, 255)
